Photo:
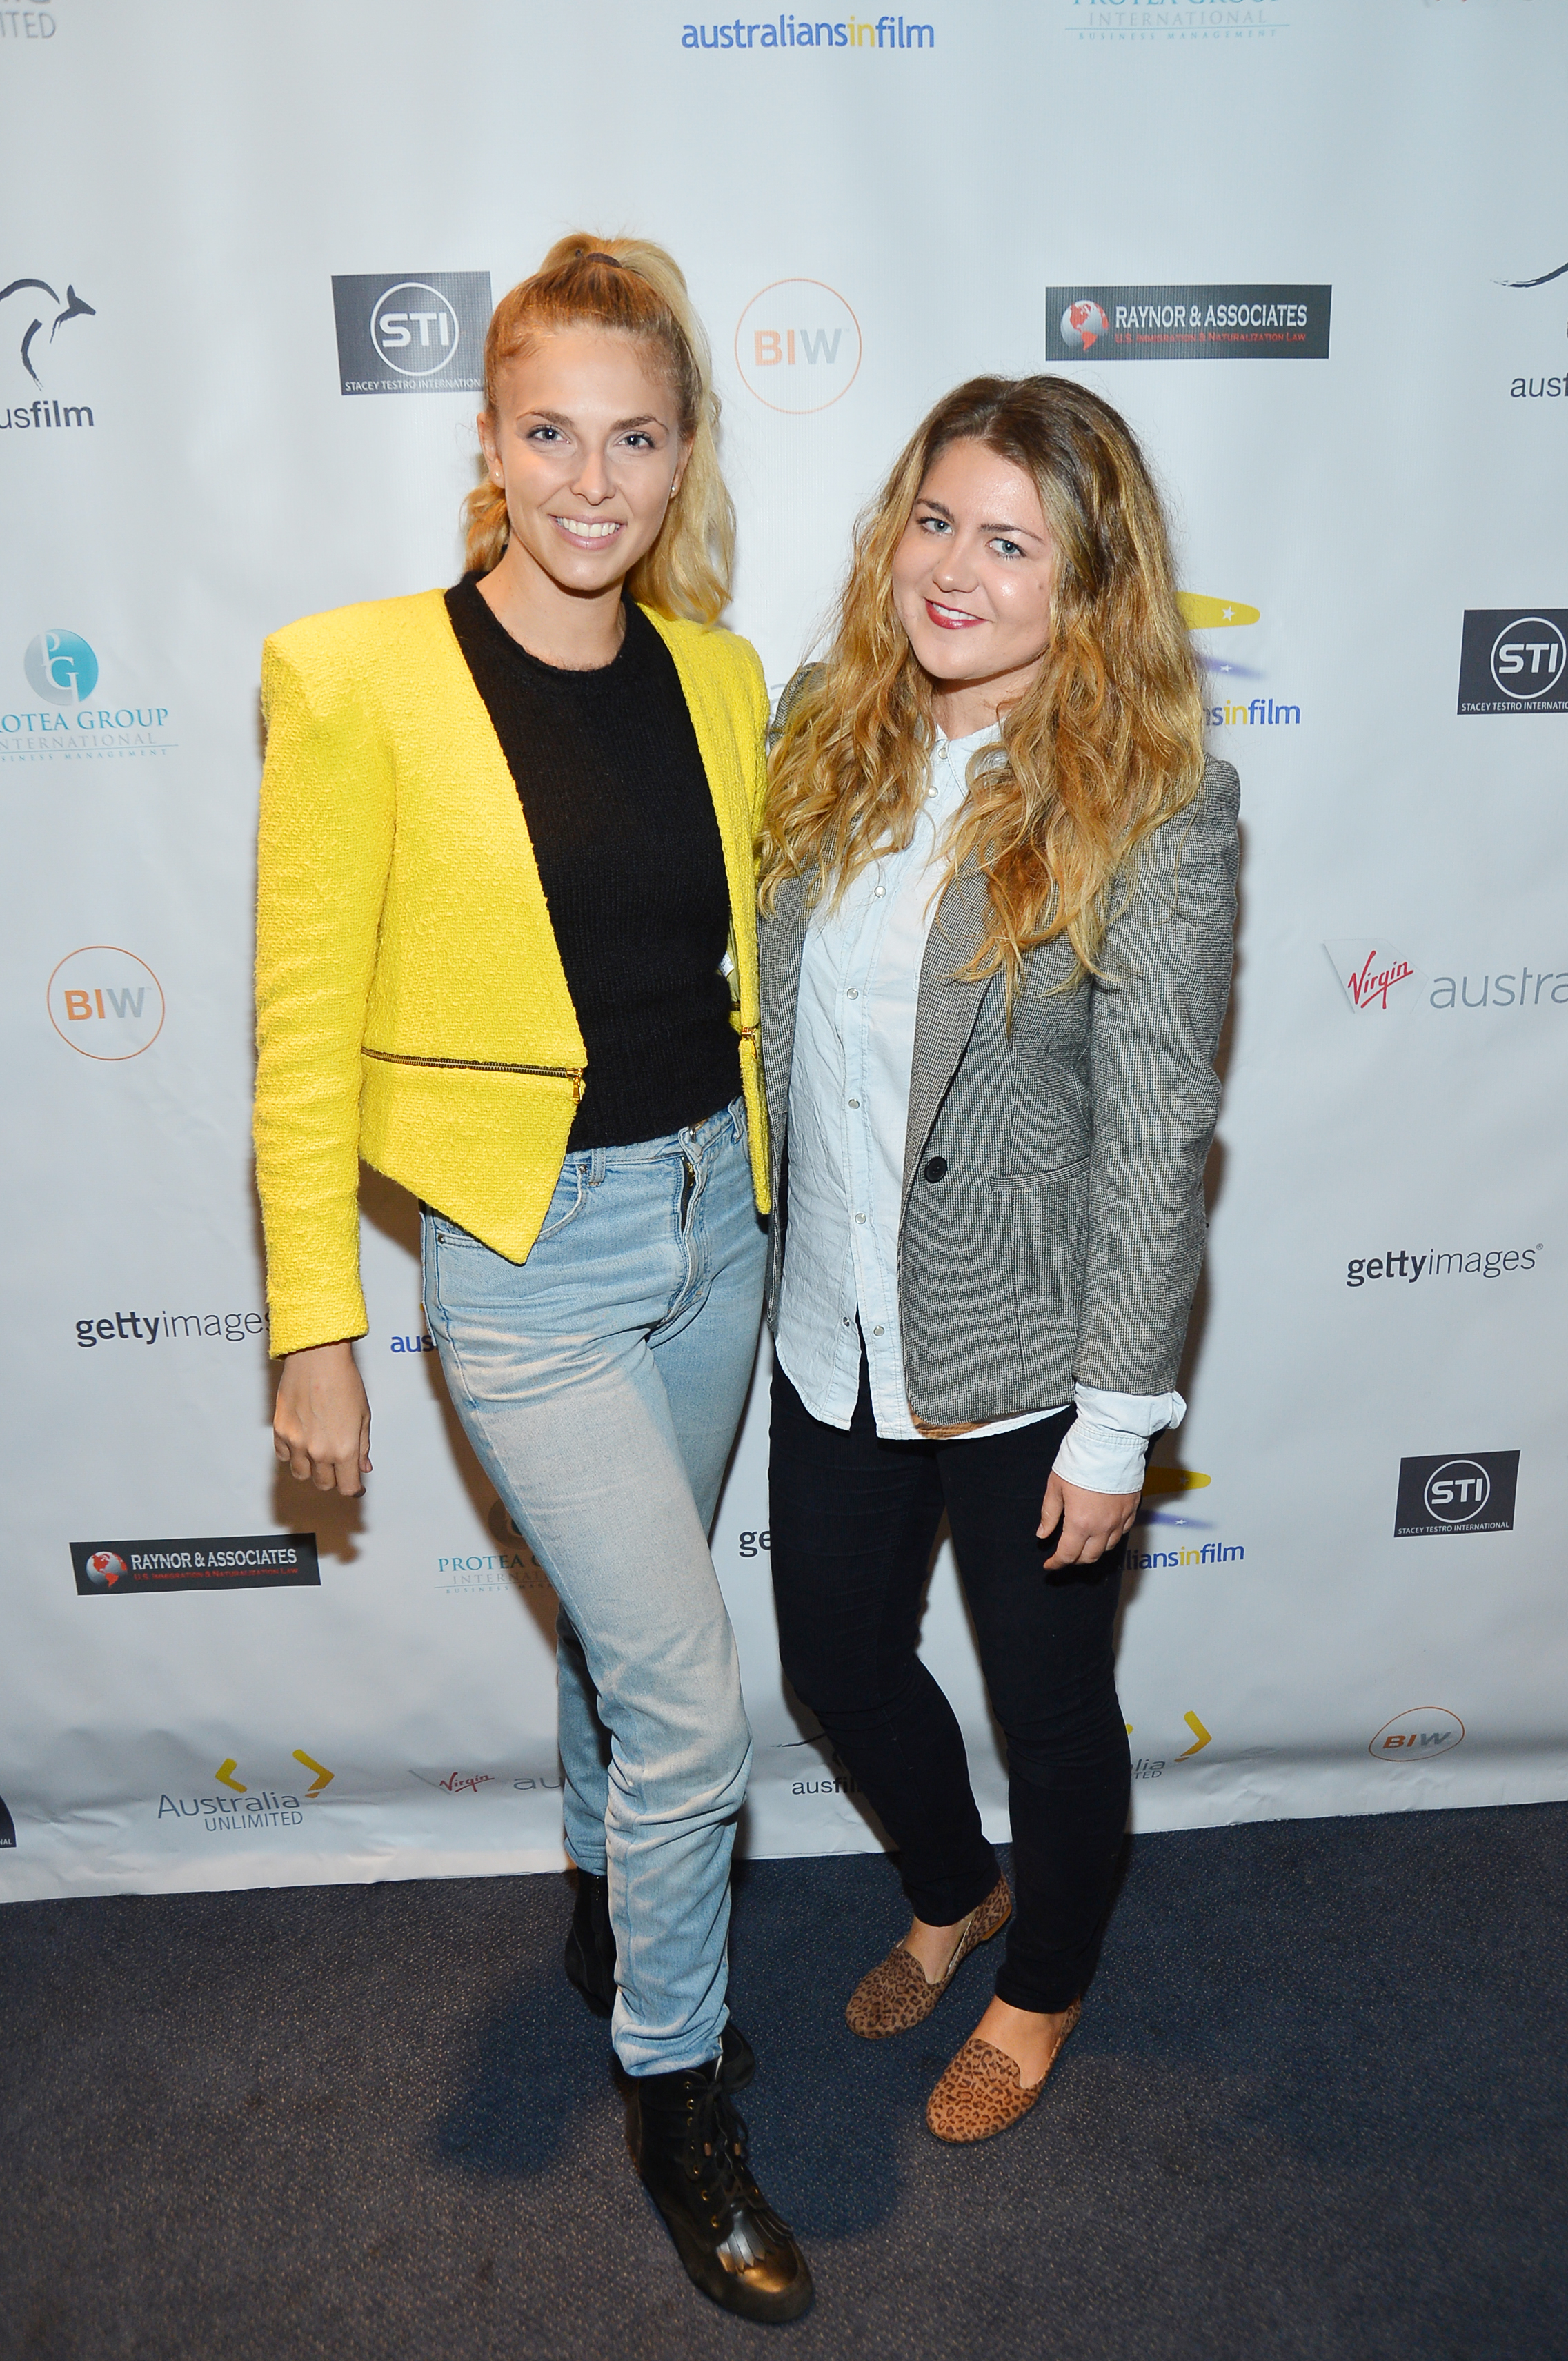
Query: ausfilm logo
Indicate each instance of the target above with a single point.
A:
(412, 333)
(1375, 976)
(1411, 1737)
(797, 346)
(105, 1003)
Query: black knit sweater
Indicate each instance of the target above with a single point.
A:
(617, 802)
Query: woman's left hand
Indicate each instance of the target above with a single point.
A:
(1090, 1522)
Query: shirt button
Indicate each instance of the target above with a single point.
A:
(854, 1103)
(880, 891)
(877, 1332)
(848, 1322)
(860, 1217)
(851, 994)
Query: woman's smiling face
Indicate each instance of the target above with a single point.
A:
(973, 575)
(587, 444)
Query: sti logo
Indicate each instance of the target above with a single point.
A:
(1514, 661)
(1464, 1492)
(408, 335)
(105, 1003)
(797, 346)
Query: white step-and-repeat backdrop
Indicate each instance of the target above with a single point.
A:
(1316, 251)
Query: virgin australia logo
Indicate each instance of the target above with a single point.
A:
(1369, 972)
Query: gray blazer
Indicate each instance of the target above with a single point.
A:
(1053, 1220)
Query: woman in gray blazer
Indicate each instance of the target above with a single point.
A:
(999, 899)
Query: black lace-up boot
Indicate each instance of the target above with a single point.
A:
(691, 2154)
(590, 1967)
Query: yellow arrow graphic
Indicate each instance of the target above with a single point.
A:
(1175, 1480)
(322, 1777)
(1199, 1732)
(1201, 614)
(223, 1774)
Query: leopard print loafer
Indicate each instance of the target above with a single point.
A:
(982, 2093)
(897, 1994)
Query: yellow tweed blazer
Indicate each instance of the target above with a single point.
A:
(412, 1007)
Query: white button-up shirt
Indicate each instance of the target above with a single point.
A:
(848, 1109)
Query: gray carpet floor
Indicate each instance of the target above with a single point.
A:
(1315, 2108)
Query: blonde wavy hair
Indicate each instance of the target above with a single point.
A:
(1104, 746)
(634, 289)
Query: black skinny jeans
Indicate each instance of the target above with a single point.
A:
(853, 1522)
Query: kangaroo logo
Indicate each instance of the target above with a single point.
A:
(74, 309)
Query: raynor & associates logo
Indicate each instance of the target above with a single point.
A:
(1461, 1492)
(61, 669)
(105, 1003)
(797, 346)
(1514, 660)
(1187, 324)
(402, 332)
(116, 1569)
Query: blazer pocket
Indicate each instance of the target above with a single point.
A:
(1055, 1177)
(1048, 1222)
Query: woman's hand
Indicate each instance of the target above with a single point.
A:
(321, 1428)
(1090, 1522)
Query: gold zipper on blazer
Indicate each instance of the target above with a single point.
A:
(573, 1074)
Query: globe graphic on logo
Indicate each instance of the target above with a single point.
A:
(1083, 324)
(60, 667)
(104, 1568)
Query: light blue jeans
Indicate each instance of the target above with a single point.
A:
(601, 1382)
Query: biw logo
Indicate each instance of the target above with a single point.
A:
(797, 346)
(106, 1002)
(1411, 1737)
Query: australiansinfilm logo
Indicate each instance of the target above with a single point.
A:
(1514, 660)
(237, 1562)
(34, 313)
(413, 332)
(1187, 324)
(78, 717)
(1457, 1492)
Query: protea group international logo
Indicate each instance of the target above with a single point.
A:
(60, 667)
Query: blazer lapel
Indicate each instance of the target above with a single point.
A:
(947, 1009)
(781, 940)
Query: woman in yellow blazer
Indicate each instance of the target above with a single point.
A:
(507, 953)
